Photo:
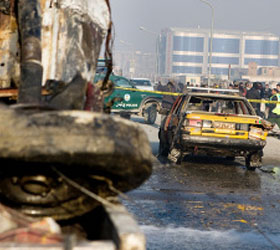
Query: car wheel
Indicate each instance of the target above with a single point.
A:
(125, 115)
(254, 160)
(230, 158)
(150, 114)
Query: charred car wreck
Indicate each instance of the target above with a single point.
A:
(213, 124)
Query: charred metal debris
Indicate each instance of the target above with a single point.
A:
(5, 6)
(27, 30)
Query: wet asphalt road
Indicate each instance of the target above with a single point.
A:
(209, 203)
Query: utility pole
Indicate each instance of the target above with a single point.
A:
(211, 40)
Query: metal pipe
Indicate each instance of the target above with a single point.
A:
(31, 70)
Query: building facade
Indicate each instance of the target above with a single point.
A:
(186, 52)
(133, 64)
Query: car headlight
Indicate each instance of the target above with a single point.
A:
(207, 124)
(195, 123)
(242, 126)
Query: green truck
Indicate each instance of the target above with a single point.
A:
(132, 100)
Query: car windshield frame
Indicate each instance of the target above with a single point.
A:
(142, 82)
(118, 81)
(123, 82)
(240, 105)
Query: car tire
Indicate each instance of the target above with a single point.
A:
(150, 114)
(125, 115)
(230, 158)
(254, 160)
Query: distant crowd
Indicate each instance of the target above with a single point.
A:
(258, 91)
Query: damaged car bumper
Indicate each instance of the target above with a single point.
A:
(188, 141)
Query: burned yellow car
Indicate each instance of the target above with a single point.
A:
(214, 124)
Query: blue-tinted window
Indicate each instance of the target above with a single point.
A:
(181, 43)
(219, 71)
(185, 58)
(225, 60)
(262, 61)
(186, 69)
(261, 47)
(225, 45)
(122, 82)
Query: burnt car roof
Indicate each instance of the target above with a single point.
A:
(220, 96)
(216, 95)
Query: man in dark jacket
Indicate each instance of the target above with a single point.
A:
(254, 93)
(160, 87)
(168, 100)
(267, 91)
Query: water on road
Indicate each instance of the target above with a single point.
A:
(208, 206)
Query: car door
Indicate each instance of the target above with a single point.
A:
(130, 99)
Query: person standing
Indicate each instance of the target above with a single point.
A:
(274, 109)
(267, 92)
(248, 86)
(266, 96)
(160, 87)
(254, 93)
(242, 89)
(180, 88)
(168, 100)
(278, 87)
(166, 105)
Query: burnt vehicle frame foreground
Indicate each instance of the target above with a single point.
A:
(213, 124)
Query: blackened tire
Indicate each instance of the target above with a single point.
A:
(125, 115)
(150, 114)
(230, 158)
(254, 160)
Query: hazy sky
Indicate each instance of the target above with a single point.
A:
(244, 15)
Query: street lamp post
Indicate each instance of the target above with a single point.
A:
(211, 39)
(157, 46)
